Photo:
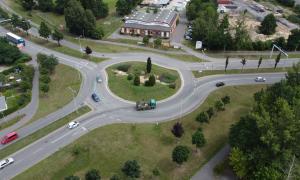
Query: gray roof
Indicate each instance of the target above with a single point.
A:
(160, 21)
(155, 2)
(3, 105)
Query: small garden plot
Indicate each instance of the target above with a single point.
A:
(131, 81)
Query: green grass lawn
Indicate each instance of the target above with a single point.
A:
(185, 57)
(198, 74)
(42, 132)
(125, 89)
(107, 148)
(59, 94)
(11, 122)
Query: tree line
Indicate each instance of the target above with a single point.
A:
(216, 34)
(266, 142)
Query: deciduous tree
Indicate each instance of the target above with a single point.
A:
(180, 154)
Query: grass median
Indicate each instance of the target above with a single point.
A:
(42, 132)
(107, 148)
(199, 74)
(64, 80)
(124, 88)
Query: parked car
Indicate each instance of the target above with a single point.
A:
(95, 97)
(73, 124)
(260, 79)
(219, 84)
(6, 162)
(9, 137)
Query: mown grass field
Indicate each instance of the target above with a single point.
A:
(107, 148)
(125, 89)
(198, 74)
(59, 94)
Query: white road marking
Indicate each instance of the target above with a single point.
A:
(84, 128)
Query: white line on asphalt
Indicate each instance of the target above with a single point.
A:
(54, 141)
(84, 128)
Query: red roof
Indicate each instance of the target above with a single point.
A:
(224, 1)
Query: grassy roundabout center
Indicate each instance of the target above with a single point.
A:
(121, 79)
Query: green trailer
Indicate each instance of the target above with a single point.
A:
(145, 105)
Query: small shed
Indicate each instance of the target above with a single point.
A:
(3, 105)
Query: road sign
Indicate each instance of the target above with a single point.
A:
(198, 44)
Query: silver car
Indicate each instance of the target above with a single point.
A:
(260, 79)
(6, 162)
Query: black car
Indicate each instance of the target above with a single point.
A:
(219, 84)
(95, 97)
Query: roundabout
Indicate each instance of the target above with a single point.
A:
(122, 76)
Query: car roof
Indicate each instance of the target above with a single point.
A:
(11, 134)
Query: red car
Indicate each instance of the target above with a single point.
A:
(9, 137)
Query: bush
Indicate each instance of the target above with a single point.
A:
(167, 78)
(98, 33)
(225, 100)
(146, 40)
(93, 174)
(131, 169)
(147, 83)
(172, 85)
(219, 105)
(45, 79)
(44, 71)
(129, 77)
(202, 117)
(220, 168)
(210, 112)
(24, 86)
(136, 81)
(72, 177)
(114, 177)
(23, 99)
(24, 58)
(44, 87)
(123, 67)
(156, 172)
(180, 154)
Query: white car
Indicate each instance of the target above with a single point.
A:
(73, 124)
(6, 162)
(260, 79)
(98, 79)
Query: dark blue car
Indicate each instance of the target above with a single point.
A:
(95, 97)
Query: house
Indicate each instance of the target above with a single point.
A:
(155, 3)
(161, 24)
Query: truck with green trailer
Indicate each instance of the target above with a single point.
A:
(145, 105)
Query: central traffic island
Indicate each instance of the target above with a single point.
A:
(143, 82)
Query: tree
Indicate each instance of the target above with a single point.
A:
(44, 30)
(114, 177)
(157, 42)
(180, 154)
(155, 10)
(293, 40)
(277, 60)
(243, 62)
(146, 40)
(131, 169)
(72, 177)
(136, 80)
(226, 63)
(202, 117)
(124, 7)
(238, 162)
(152, 80)
(44, 87)
(210, 112)
(98, 7)
(198, 139)
(45, 5)
(293, 75)
(78, 20)
(226, 99)
(259, 62)
(219, 105)
(92, 174)
(177, 130)
(57, 36)
(15, 20)
(268, 25)
(60, 6)
(47, 62)
(45, 79)
(28, 4)
(25, 25)
(149, 65)
(88, 50)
